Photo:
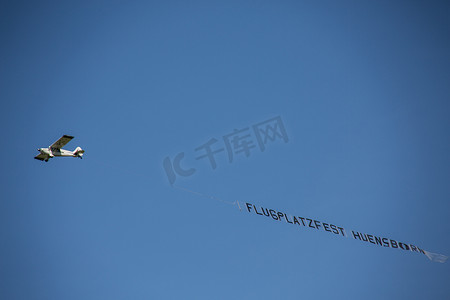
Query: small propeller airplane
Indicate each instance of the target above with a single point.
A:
(55, 150)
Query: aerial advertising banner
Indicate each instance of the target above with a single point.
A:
(335, 229)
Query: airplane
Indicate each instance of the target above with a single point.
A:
(55, 150)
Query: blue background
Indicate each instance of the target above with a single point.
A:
(362, 89)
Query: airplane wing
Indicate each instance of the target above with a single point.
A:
(61, 142)
(41, 156)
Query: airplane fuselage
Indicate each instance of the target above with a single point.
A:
(51, 152)
(47, 153)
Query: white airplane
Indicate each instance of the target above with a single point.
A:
(55, 150)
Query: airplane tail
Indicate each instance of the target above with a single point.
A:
(78, 152)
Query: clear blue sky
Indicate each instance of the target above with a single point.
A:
(362, 88)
